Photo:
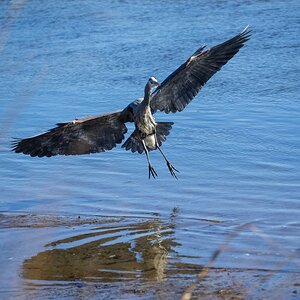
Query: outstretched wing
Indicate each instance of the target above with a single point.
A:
(81, 136)
(179, 88)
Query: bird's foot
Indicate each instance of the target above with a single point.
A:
(152, 172)
(172, 169)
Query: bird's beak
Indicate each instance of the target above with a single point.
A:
(158, 84)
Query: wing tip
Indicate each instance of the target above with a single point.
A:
(14, 144)
(246, 33)
(247, 28)
(19, 145)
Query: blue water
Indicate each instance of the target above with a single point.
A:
(236, 145)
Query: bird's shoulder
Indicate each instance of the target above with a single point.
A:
(133, 106)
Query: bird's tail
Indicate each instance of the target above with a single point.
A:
(162, 130)
(135, 144)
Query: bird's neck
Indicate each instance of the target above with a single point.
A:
(147, 95)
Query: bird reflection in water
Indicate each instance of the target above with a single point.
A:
(112, 252)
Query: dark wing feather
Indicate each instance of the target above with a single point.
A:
(162, 131)
(134, 143)
(178, 89)
(81, 136)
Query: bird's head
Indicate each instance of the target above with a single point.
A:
(153, 83)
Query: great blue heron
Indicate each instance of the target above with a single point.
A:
(104, 132)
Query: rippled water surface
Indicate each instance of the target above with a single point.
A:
(94, 226)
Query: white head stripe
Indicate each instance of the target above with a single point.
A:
(154, 79)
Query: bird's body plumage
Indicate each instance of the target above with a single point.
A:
(104, 132)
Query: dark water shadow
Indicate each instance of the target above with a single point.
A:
(115, 251)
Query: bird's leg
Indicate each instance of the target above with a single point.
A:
(151, 169)
(171, 168)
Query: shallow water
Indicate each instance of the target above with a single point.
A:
(236, 146)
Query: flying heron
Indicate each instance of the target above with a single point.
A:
(104, 132)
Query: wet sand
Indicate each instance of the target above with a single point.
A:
(80, 257)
